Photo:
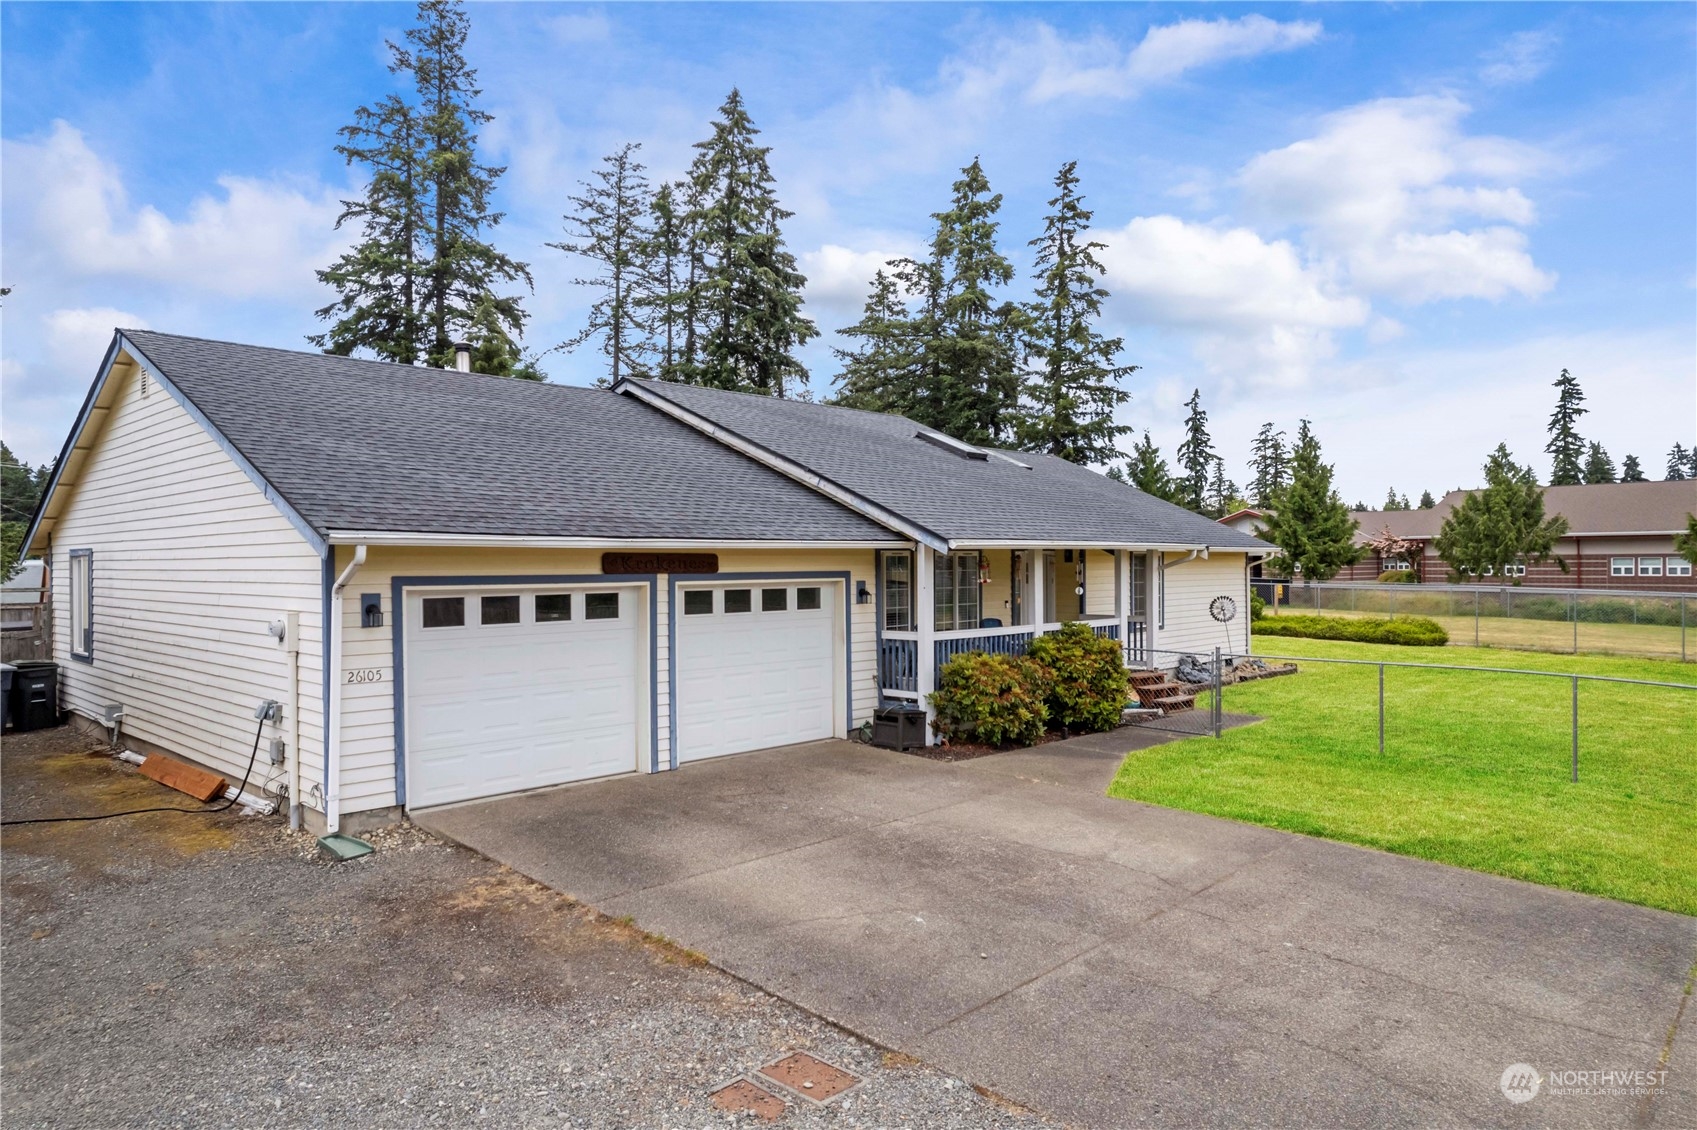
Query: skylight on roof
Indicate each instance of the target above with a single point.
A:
(951, 444)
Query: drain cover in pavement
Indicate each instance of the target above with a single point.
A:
(809, 1077)
(743, 1097)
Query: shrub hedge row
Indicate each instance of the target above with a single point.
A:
(1413, 631)
(1072, 679)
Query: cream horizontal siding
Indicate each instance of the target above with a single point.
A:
(1099, 582)
(191, 564)
(1190, 588)
(368, 734)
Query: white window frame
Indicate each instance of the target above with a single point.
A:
(1678, 567)
(81, 581)
(896, 605)
(1623, 566)
(1514, 570)
(1649, 566)
(956, 576)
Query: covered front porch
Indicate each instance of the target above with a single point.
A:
(934, 605)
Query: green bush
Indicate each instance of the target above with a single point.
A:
(1087, 680)
(995, 699)
(1257, 606)
(1413, 631)
(1398, 577)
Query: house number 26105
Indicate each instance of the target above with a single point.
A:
(366, 675)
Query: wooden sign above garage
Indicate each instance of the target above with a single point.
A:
(659, 563)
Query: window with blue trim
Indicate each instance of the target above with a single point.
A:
(82, 603)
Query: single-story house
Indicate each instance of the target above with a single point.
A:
(1620, 536)
(457, 585)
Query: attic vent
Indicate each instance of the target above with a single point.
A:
(146, 383)
(952, 445)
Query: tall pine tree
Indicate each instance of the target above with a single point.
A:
(1631, 471)
(609, 223)
(665, 296)
(1196, 457)
(424, 274)
(1148, 471)
(1566, 448)
(1679, 461)
(749, 303)
(1269, 461)
(1312, 527)
(1427, 502)
(879, 373)
(1599, 468)
(1074, 384)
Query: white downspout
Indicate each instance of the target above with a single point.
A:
(292, 645)
(333, 799)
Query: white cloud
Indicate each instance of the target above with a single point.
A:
(838, 279)
(75, 340)
(1376, 189)
(579, 27)
(1521, 58)
(1258, 309)
(69, 214)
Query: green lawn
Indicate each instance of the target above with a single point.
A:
(1475, 768)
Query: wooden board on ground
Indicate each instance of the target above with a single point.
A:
(201, 784)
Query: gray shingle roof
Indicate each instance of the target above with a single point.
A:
(366, 445)
(879, 458)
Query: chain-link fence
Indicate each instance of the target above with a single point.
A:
(1436, 708)
(1616, 622)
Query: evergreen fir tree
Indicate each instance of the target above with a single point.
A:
(379, 281)
(492, 351)
(1685, 543)
(1566, 448)
(1074, 386)
(610, 226)
(879, 374)
(1630, 470)
(1503, 524)
(1196, 457)
(665, 283)
(1270, 462)
(968, 338)
(1222, 492)
(749, 291)
(1148, 471)
(1599, 468)
(1312, 527)
(424, 273)
(1427, 502)
(1678, 462)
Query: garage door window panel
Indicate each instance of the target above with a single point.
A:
(774, 600)
(497, 610)
(739, 600)
(698, 602)
(444, 612)
(806, 600)
(601, 606)
(552, 607)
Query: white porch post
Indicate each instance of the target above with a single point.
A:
(1039, 590)
(925, 626)
(1122, 601)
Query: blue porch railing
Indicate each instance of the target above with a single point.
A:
(898, 657)
(898, 665)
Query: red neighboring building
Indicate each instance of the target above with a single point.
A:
(1620, 537)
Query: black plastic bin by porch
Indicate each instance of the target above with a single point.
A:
(6, 670)
(898, 727)
(34, 701)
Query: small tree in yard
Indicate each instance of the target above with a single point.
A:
(1312, 527)
(1504, 524)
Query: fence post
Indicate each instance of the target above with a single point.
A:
(1576, 729)
(1682, 629)
(1381, 710)
(1218, 683)
(1475, 617)
(1573, 611)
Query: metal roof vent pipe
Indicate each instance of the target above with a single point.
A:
(462, 356)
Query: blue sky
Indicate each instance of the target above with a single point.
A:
(1398, 221)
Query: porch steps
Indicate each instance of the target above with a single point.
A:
(1157, 692)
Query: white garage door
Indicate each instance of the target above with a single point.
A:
(756, 667)
(510, 689)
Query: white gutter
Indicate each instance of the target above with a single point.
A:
(333, 799)
(521, 541)
(787, 467)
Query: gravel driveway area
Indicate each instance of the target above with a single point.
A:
(167, 970)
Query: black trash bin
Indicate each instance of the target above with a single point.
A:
(898, 727)
(34, 700)
(6, 670)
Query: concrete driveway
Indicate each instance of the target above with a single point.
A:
(1113, 963)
